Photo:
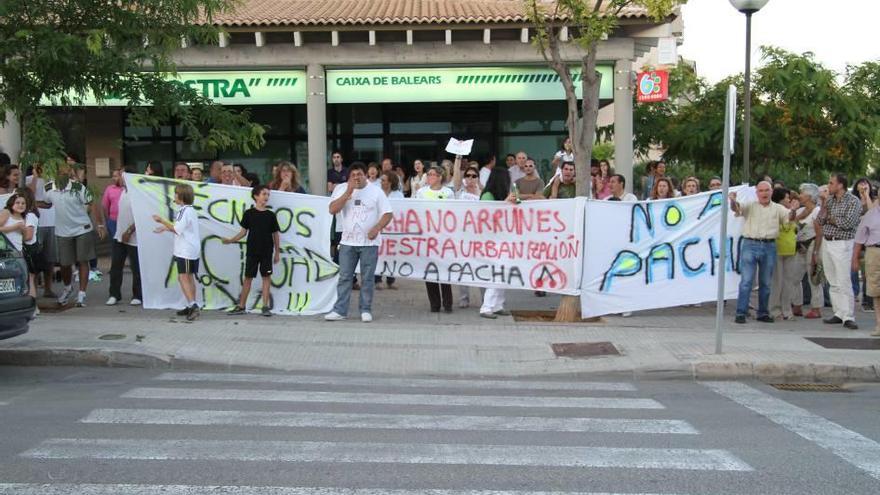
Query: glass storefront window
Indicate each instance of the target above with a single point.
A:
(138, 153)
(357, 119)
(260, 161)
(367, 150)
(532, 116)
(541, 148)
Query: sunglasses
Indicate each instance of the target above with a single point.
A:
(471, 176)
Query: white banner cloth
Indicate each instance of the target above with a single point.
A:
(304, 282)
(656, 254)
(535, 245)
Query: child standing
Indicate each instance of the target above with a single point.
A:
(32, 250)
(263, 239)
(186, 246)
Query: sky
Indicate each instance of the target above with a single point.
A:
(714, 33)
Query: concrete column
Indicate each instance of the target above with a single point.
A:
(10, 137)
(316, 109)
(623, 121)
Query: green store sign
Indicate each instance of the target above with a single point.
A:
(232, 88)
(454, 84)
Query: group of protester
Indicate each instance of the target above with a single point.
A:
(802, 247)
(806, 247)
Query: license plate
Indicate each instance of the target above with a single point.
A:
(7, 286)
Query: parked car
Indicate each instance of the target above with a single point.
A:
(16, 306)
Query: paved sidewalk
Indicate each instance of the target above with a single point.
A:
(406, 339)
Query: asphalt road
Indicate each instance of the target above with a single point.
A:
(90, 431)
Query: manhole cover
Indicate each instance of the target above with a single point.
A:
(843, 343)
(585, 349)
(809, 387)
(112, 336)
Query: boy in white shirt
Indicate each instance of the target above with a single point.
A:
(186, 246)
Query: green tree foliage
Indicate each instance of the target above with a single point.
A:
(806, 121)
(590, 21)
(61, 52)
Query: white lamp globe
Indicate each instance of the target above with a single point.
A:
(748, 6)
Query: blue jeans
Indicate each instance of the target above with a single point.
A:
(755, 257)
(348, 260)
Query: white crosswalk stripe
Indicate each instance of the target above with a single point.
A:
(120, 489)
(395, 382)
(392, 399)
(389, 421)
(412, 409)
(346, 452)
(856, 449)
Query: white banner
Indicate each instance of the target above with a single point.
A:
(536, 245)
(656, 254)
(304, 282)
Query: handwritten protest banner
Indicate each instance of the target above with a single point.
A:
(656, 254)
(535, 245)
(304, 282)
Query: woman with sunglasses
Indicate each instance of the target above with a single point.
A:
(469, 190)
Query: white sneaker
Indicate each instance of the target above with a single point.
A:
(366, 317)
(65, 295)
(135, 302)
(81, 299)
(112, 301)
(333, 316)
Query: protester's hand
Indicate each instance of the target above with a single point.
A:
(227, 240)
(102, 232)
(157, 218)
(373, 233)
(277, 258)
(732, 196)
(511, 198)
(126, 236)
(795, 204)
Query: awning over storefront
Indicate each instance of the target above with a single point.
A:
(233, 88)
(454, 84)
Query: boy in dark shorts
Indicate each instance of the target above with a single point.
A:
(187, 246)
(263, 249)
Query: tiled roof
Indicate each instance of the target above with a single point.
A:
(379, 12)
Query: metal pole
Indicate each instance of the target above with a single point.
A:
(747, 111)
(729, 128)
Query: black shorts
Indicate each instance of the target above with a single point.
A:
(33, 256)
(263, 262)
(186, 266)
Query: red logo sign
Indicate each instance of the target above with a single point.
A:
(653, 86)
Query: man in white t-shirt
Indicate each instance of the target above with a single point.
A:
(364, 212)
(618, 189)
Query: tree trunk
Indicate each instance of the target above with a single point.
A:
(569, 310)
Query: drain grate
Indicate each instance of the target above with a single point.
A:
(843, 343)
(809, 387)
(584, 349)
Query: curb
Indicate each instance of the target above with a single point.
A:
(765, 372)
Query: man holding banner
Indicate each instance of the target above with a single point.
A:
(758, 254)
(364, 212)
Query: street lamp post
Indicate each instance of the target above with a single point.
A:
(748, 7)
